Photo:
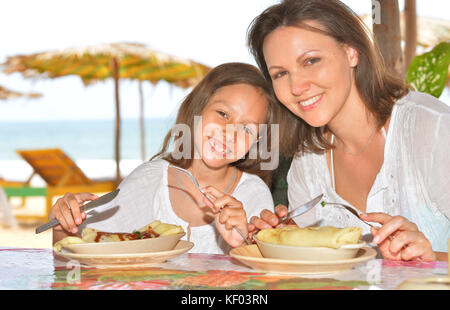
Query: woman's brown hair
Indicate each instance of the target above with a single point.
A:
(378, 89)
(223, 75)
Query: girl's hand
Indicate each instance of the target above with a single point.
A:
(406, 241)
(268, 219)
(67, 211)
(228, 213)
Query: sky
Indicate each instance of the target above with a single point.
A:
(207, 31)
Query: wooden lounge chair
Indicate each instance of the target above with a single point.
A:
(22, 190)
(61, 175)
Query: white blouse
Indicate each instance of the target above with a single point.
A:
(144, 197)
(413, 182)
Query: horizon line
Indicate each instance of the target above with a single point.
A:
(81, 119)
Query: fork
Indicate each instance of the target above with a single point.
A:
(194, 180)
(354, 212)
(350, 209)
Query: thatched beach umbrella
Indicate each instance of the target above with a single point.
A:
(104, 61)
(6, 94)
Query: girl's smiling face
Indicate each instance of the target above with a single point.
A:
(311, 72)
(230, 124)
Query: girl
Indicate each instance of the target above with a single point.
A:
(232, 100)
(361, 136)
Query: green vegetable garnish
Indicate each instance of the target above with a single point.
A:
(138, 233)
(323, 204)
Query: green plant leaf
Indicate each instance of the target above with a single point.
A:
(428, 72)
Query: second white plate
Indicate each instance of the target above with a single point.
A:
(251, 256)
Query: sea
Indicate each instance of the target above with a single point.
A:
(82, 139)
(90, 143)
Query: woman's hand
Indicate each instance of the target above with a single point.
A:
(406, 241)
(228, 213)
(67, 211)
(268, 219)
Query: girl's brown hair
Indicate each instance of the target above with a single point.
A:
(223, 75)
(378, 89)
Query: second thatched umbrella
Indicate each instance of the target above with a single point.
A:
(115, 60)
(6, 94)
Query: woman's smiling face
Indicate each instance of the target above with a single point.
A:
(311, 72)
(230, 124)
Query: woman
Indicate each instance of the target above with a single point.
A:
(361, 136)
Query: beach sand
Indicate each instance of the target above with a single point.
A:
(24, 236)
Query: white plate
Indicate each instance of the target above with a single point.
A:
(251, 256)
(159, 244)
(128, 260)
(278, 251)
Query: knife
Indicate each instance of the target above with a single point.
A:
(86, 208)
(302, 209)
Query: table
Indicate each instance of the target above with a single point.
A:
(40, 269)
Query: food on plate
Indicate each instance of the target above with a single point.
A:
(67, 241)
(326, 236)
(89, 235)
